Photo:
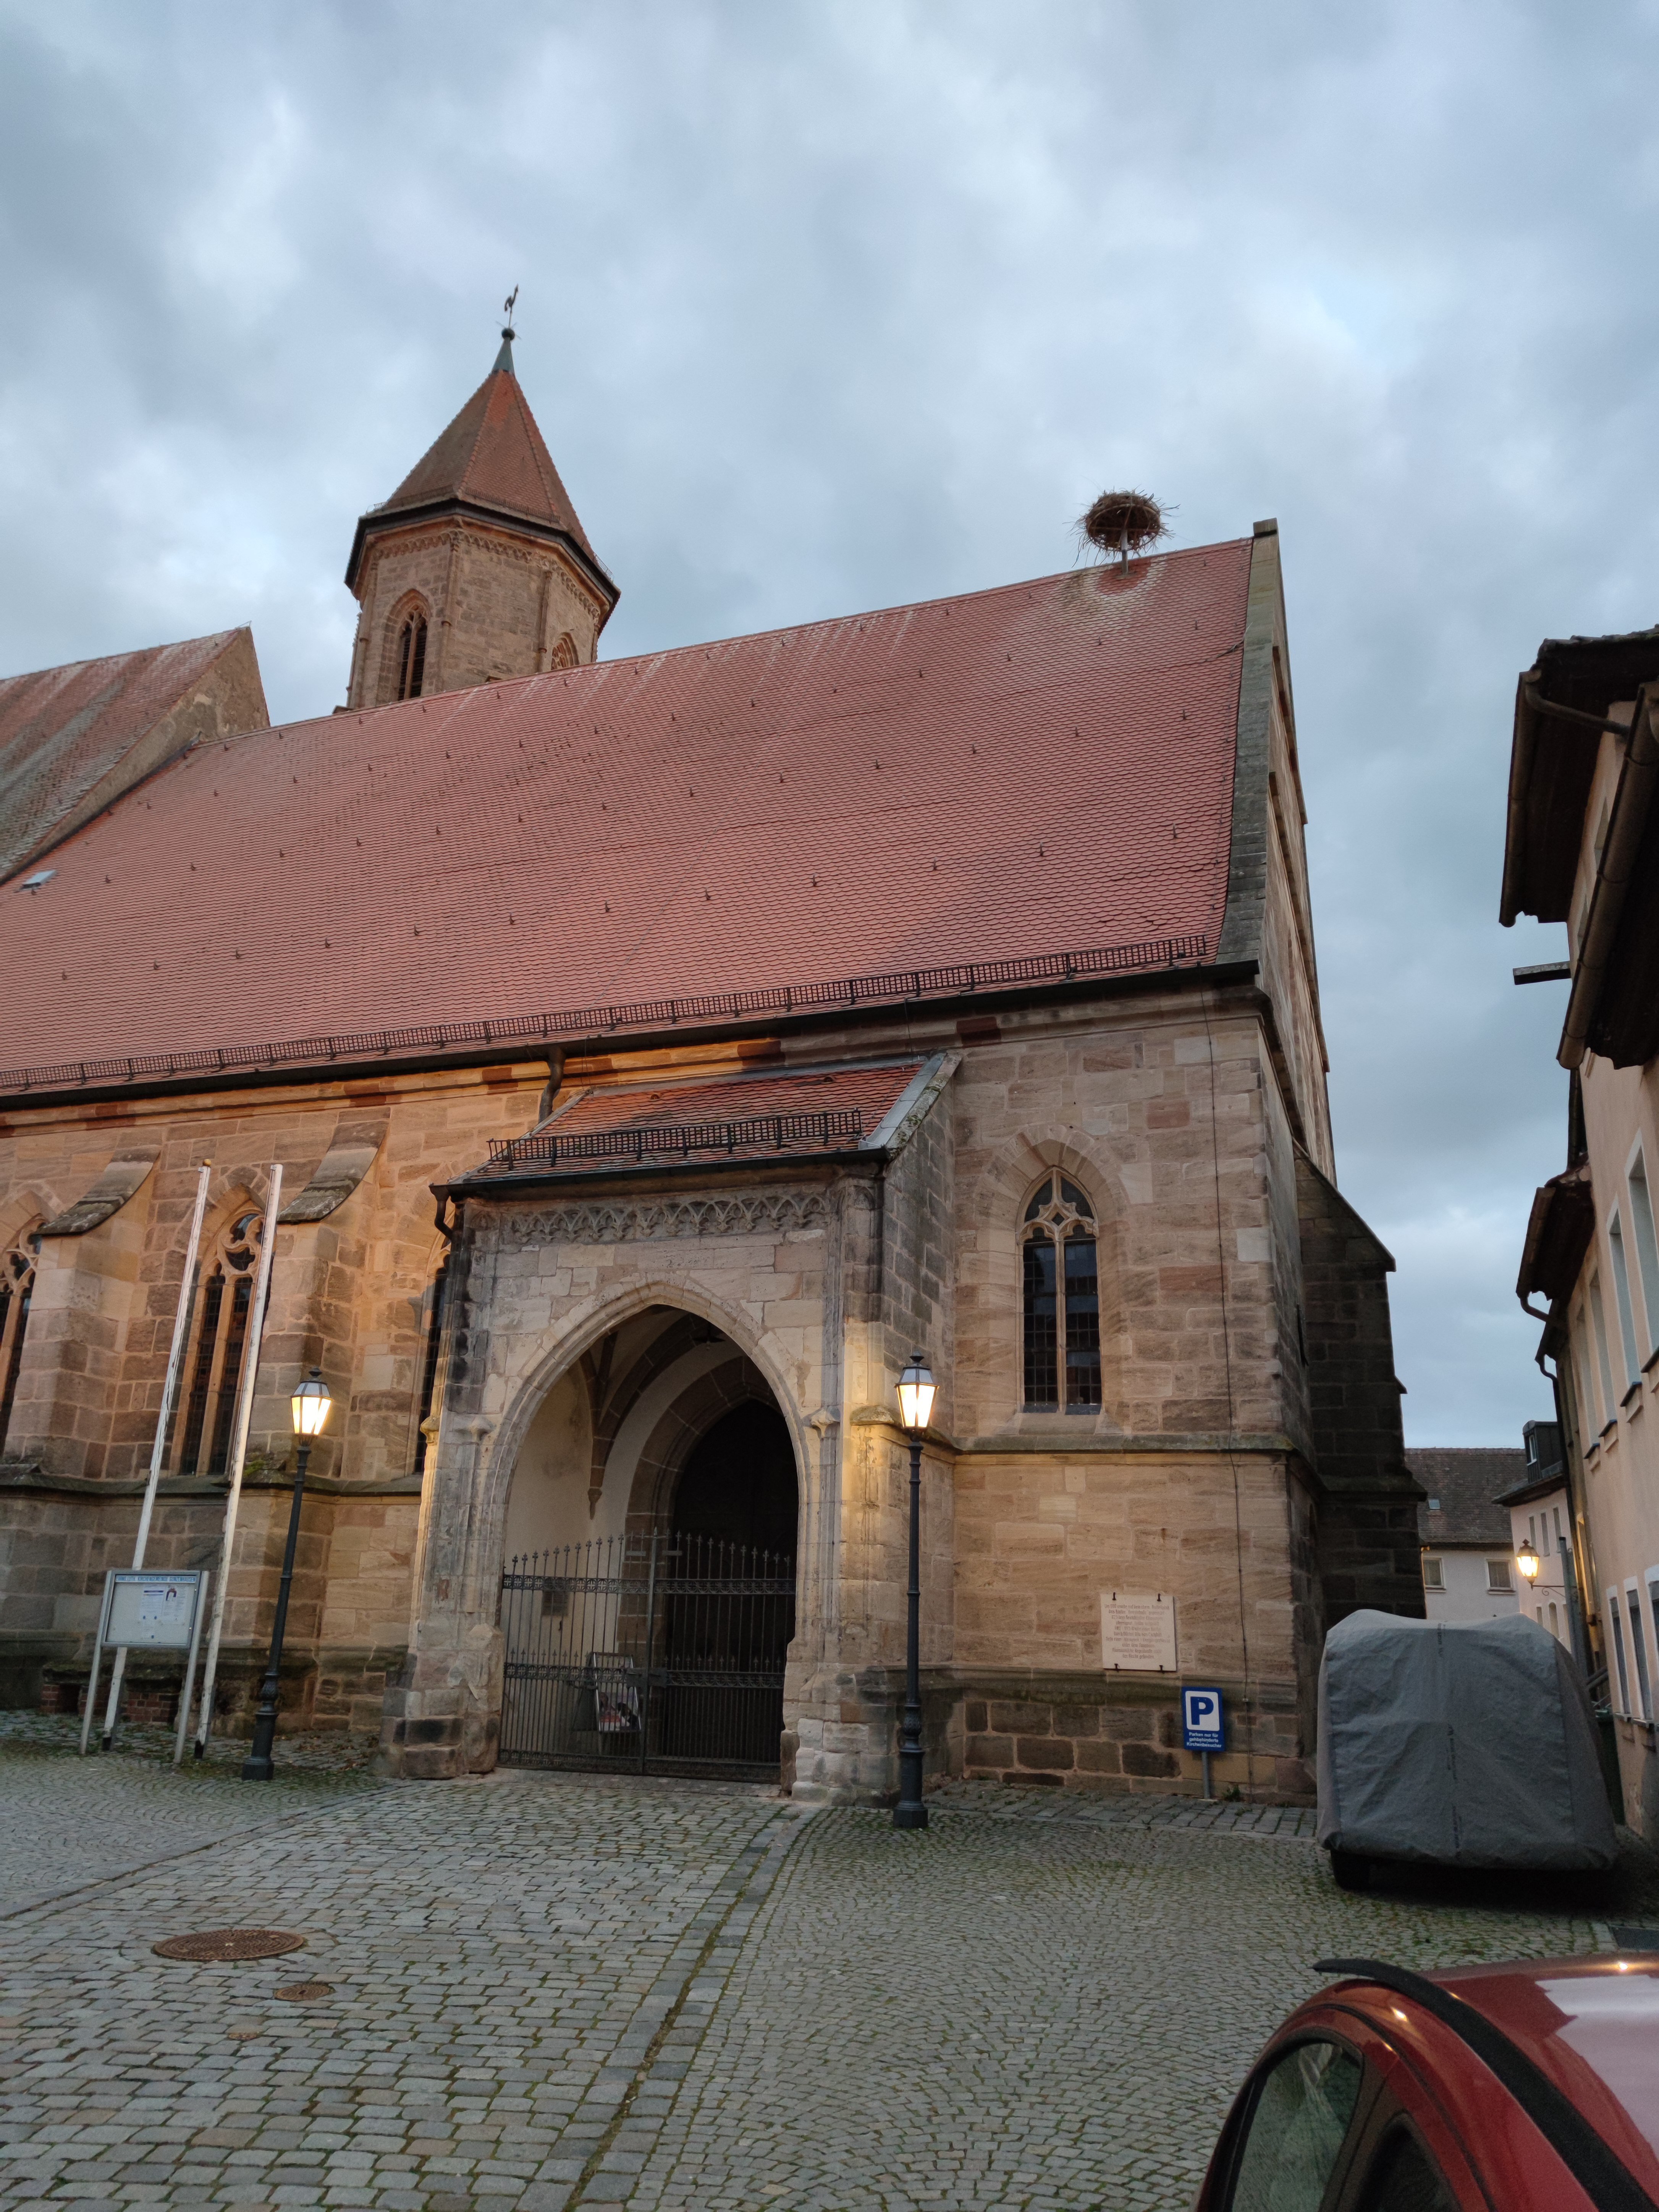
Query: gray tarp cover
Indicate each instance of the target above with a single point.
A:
(1470, 1744)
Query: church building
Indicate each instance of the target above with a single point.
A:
(659, 1052)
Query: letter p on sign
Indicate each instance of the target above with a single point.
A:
(1202, 1727)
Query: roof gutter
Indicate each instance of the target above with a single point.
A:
(1632, 801)
(357, 1066)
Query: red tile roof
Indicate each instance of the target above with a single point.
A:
(735, 1116)
(65, 731)
(492, 455)
(1011, 774)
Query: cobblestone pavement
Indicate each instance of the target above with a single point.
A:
(552, 1991)
(66, 1821)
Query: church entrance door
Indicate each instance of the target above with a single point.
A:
(663, 1652)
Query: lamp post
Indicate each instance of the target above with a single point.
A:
(1526, 1559)
(915, 1396)
(310, 1403)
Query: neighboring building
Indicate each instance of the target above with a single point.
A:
(1468, 1566)
(1583, 848)
(756, 1013)
(1540, 1510)
(72, 739)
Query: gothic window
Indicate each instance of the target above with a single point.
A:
(563, 654)
(16, 1290)
(411, 655)
(206, 1409)
(1061, 1298)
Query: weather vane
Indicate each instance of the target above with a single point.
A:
(507, 305)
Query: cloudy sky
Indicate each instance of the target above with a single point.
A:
(846, 302)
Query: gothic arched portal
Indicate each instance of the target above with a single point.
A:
(648, 1592)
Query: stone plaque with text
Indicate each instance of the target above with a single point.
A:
(1137, 1632)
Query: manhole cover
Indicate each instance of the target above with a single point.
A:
(229, 1943)
(297, 1992)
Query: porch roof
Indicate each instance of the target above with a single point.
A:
(738, 1116)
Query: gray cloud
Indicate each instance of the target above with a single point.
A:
(830, 307)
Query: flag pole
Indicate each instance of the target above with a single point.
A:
(169, 1392)
(238, 1454)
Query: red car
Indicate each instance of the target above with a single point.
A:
(1528, 2087)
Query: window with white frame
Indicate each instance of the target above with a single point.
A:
(1588, 1422)
(1621, 1299)
(1433, 1575)
(1622, 1673)
(1647, 1248)
(1497, 1575)
(1603, 1364)
(1639, 1645)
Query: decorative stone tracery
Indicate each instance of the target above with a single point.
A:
(622, 1221)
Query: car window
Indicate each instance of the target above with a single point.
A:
(1296, 2127)
(1404, 2179)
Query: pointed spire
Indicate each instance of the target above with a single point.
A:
(492, 455)
(504, 358)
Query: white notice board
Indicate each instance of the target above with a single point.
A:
(1137, 1632)
(154, 1612)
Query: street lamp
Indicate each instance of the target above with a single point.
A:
(915, 1396)
(1526, 1559)
(310, 1404)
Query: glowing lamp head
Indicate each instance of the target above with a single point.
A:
(1526, 1559)
(916, 1390)
(311, 1403)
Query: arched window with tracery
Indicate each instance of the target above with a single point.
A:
(411, 655)
(17, 1293)
(1061, 1273)
(204, 1411)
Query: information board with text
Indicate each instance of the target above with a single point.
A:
(1138, 1633)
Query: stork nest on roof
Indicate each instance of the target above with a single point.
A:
(1123, 522)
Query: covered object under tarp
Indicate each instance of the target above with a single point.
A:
(1471, 1745)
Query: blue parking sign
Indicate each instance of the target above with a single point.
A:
(1202, 1727)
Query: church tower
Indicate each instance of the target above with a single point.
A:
(477, 568)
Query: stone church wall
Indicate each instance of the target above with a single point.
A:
(350, 1292)
(1368, 1548)
(1220, 1466)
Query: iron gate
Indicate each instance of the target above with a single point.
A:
(663, 1653)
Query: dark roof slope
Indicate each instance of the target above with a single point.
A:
(1014, 773)
(72, 739)
(1552, 762)
(1463, 1483)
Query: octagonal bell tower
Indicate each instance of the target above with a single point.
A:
(477, 568)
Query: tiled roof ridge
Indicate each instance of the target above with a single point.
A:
(670, 653)
(1424, 1451)
(948, 982)
(215, 637)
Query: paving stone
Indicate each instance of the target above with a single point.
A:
(556, 1991)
